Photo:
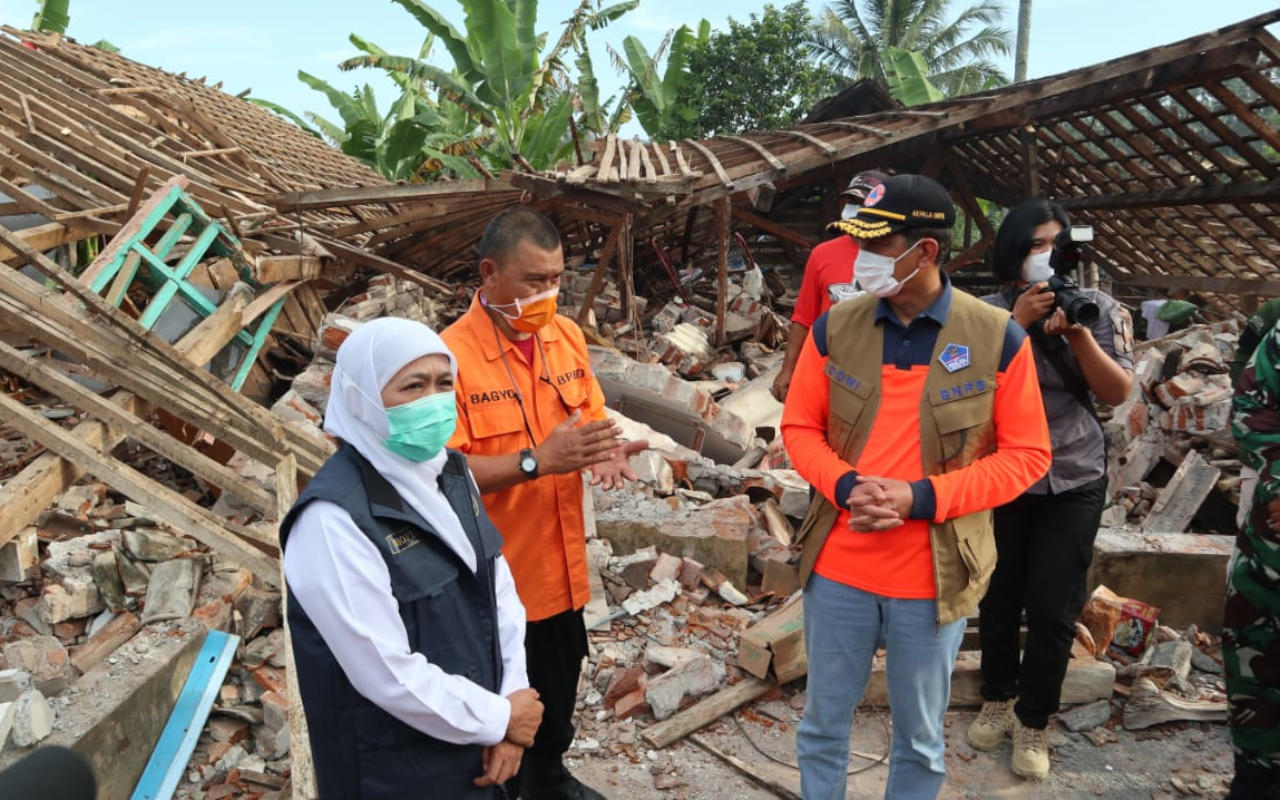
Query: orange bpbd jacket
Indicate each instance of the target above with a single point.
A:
(541, 520)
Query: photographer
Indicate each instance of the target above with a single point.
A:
(1083, 345)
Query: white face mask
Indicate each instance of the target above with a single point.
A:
(1035, 267)
(874, 272)
(849, 210)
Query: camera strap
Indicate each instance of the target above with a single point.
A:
(1054, 350)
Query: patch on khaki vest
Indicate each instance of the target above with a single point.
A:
(962, 390)
(402, 540)
(954, 357)
(841, 377)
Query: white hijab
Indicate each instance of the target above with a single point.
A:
(367, 360)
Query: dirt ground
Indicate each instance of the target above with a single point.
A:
(1127, 765)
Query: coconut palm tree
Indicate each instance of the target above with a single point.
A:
(857, 38)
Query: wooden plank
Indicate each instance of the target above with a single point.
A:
(119, 630)
(626, 267)
(45, 237)
(778, 789)
(774, 229)
(364, 258)
(859, 127)
(1180, 499)
(809, 138)
(646, 162)
(31, 491)
(126, 236)
(1240, 286)
(969, 200)
(372, 195)
(680, 160)
(1246, 192)
(277, 269)
(634, 162)
(604, 173)
(623, 166)
(662, 159)
(203, 467)
(598, 277)
(722, 266)
(265, 301)
(712, 160)
(302, 769)
(764, 153)
(162, 502)
(705, 711)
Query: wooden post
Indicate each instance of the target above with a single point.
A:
(302, 773)
(605, 255)
(1031, 160)
(626, 268)
(722, 265)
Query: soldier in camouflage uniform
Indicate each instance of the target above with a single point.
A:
(1251, 627)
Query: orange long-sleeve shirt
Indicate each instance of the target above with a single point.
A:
(503, 400)
(898, 562)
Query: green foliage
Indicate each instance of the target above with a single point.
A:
(662, 103)
(756, 75)
(909, 77)
(52, 16)
(957, 52)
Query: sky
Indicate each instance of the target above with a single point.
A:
(262, 44)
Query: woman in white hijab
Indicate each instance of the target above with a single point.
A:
(408, 635)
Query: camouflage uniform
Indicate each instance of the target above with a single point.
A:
(1251, 627)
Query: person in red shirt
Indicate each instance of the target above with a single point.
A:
(828, 277)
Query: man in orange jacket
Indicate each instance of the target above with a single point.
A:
(913, 411)
(530, 419)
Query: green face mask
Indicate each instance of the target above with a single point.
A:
(418, 430)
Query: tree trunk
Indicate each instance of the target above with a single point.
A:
(1024, 41)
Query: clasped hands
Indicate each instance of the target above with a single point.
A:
(878, 504)
(502, 760)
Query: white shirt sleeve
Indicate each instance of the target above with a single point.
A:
(342, 582)
(510, 629)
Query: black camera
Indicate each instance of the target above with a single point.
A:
(1068, 253)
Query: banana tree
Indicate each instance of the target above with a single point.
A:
(908, 77)
(661, 101)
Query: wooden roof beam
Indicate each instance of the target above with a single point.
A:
(1266, 192)
(1196, 283)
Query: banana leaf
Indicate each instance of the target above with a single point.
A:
(908, 77)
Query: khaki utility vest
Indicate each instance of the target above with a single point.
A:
(956, 429)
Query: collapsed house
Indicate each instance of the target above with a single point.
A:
(182, 266)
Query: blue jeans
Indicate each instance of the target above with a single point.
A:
(843, 626)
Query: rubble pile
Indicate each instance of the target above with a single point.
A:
(1160, 674)
(91, 589)
(1180, 404)
(680, 334)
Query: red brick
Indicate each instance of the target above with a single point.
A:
(270, 678)
(624, 681)
(630, 705)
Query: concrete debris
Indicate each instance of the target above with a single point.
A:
(1180, 404)
(695, 676)
(8, 712)
(13, 682)
(651, 598)
(1087, 717)
(171, 594)
(32, 719)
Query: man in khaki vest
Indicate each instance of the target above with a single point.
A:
(913, 411)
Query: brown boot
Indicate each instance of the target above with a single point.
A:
(993, 723)
(1030, 751)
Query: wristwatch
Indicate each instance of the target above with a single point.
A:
(528, 463)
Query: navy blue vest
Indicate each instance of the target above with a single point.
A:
(359, 750)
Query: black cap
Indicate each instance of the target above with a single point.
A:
(862, 184)
(899, 203)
